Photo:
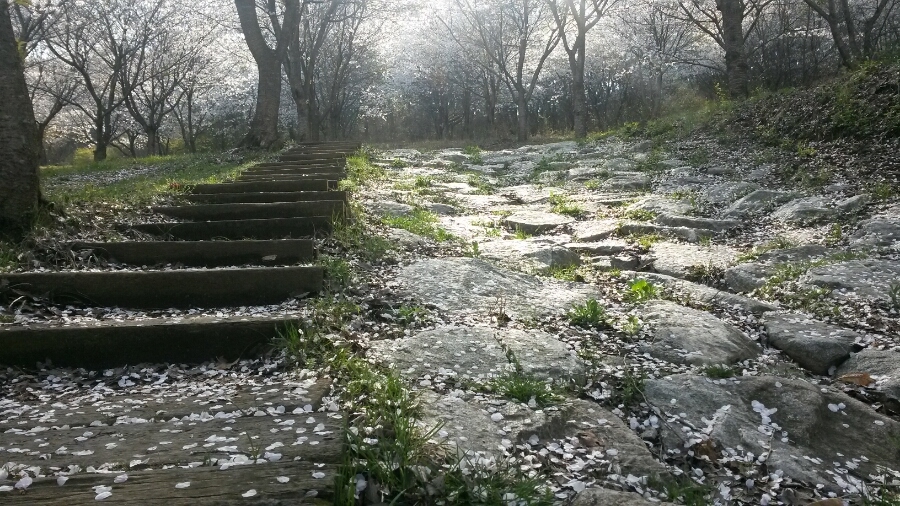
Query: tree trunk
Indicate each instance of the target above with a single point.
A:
(736, 66)
(20, 191)
(522, 116)
(152, 142)
(264, 125)
(579, 100)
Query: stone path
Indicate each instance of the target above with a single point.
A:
(205, 287)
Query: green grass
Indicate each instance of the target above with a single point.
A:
(882, 191)
(410, 314)
(521, 234)
(683, 490)
(561, 204)
(565, 273)
(337, 271)
(707, 274)
(361, 171)
(894, 295)
(353, 234)
(171, 175)
(474, 154)
(641, 290)
(640, 215)
(523, 388)
(631, 326)
(398, 163)
(629, 389)
(590, 314)
(719, 371)
(481, 184)
(645, 241)
(419, 222)
(9, 256)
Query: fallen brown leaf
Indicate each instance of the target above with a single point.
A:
(862, 379)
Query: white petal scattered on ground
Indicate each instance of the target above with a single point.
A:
(24, 483)
(249, 493)
(497, 417)
(283, 479)
(62, 480)
(318, 475)
(6, 488)
(122, 478)
(4, 474)
(102, 495)
(183, 484)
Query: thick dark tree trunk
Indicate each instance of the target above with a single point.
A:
(579, 100)
(264, 125)
(20, 188)
(522, 117)
(736, 66)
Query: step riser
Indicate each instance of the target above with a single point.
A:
(312, 156)
(204, 254)
(274, 165)
(168, 289)
(265, 198)
(300, 176)
(114, 346)
(294, 168)
(219, 212)
(267, 186)
(233, 230)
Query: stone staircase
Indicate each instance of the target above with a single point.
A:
(232, 245)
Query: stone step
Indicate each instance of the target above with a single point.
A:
(106, 344)
(174, 437)
(204, 253)
(303, 165)
(294, 169)
(232, 230)
(267, 186)
(180, 288)
(325, 155)
(297, 176)
(258, 211)
(260, 197)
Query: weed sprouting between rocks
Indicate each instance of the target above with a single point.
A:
(589, 314)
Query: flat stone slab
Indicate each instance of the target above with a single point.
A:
(597, 230)
(477, 286)
(157, 340)
(627, 182)
(882, 365)
(392, 209)
(687, 260)
(264, 197)
(745, 278)
(683, 233)
(756, 202)
(817, 346)
(881, 232)
(530, 255)
(661, 204)
(180, 288)
(727, 193)
(683, 335)
(483, 431)
(478, 353)
(599, 248)
(203, 253)
(806, 211)
(535, 222)
(868, 278)
(709, 294)
(806, 431)
(276, 228)
(672, 220)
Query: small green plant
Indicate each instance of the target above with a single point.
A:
(590, 314)
(775, 244)
(630, 389)
(645, 241)
(882, 191)
(834, 235)
(894, 294)
(641, 290)
(631, 326)
(718, 371)
(303, 343)
(481, 184)
(521, 234)
(698, 157)
(478, 485)
(361, 171)
(683, 489)
(523, 388)
(399, 163)
(474, 251)
(474, 153)
(651, 163)
(707, 274)
(593, 184)
(640, 215)
(560, 204)
(408, 315)
(565, 273)
(419, 222)
(337, 270)
(804, 150)
(353, 234)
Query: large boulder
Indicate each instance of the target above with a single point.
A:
(726, 193)
(809, 433)
(817, 346)
(880, 231)
(747, 277)
(806, 211)
(472, 285)
(674, 220)
(884, 368)
(627, 181)
(756, 202)
(683, 335)
(596, 230)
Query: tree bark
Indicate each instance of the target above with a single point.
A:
(522, 117)
(20, 190)
(736, 66)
